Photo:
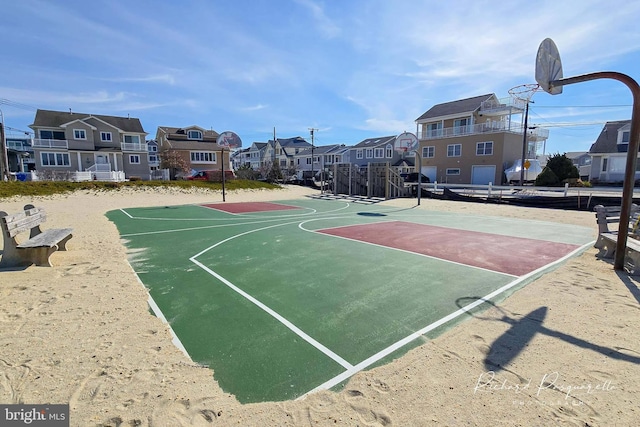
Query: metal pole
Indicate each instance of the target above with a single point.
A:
(632, 154)
(222, 157)
(4, 167)
(419, 168)
(524, 143)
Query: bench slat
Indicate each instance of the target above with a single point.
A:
(47, 238)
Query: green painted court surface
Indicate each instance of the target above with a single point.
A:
(280, 302)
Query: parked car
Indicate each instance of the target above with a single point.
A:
(211, 175)
(413, 178)
(530, 174)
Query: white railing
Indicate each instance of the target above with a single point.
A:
(114, 176)
(503, 104)
(79, 176)
(133, 146)
(50, 143)
(478, 128)
(99, 167)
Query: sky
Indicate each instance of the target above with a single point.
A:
(349, 69)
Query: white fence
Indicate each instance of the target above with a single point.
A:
(112, 176)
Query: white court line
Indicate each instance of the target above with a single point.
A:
(264, 307)
(399, 344)
(300, 226)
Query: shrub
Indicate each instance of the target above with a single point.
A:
(547, 178)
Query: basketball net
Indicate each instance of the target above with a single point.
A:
(524, 93)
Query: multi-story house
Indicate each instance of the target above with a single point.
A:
(375, 150)
(81, 142)
(324, 157)
(253, 156)
(20, 153)
(285, 151)
(609, 152)
(196, 145)
(473, 140)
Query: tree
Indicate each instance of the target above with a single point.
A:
(172, 160)
(562, 167)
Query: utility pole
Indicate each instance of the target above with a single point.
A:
(4, 165)
(312, 170)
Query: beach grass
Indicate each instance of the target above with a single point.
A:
(49, 188)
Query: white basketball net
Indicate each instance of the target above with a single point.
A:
(524, 92)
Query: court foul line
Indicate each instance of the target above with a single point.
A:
(263, 306)
(401, 343)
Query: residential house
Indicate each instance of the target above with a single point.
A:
(324, 157)
(285, 151)
(609, 152)
(376, 150)
(254, 155)
(473, 140)
(20, 153)
(581, 160)
(196, 145)
(75, 142)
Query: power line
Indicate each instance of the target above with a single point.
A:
(582, 106)
(5, 101)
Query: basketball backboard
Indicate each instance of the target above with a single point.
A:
(406, 142)
(548, 67)
(229, 139)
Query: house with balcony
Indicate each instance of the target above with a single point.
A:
(19, 153)
(609, 153)
(197, 146)
(89, 146)
(474, 140)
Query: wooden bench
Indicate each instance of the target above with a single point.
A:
(40, 245)
(608, 238)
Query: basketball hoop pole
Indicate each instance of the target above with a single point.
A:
(632, 153)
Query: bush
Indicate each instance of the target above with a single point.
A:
(547, 178)
(563, 167)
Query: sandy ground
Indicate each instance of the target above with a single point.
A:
(564, 350)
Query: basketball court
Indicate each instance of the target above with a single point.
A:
(281, 299)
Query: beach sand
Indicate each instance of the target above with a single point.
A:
(564, 350)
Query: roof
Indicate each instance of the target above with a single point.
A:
(468, 105)
(181, 133)
(607, 141)
(291, 142)
(53, 119)
(375, 142)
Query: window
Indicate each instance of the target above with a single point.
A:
(308, 160)
(484, 148)
(379, 153)
(358, 154)
(132, 139)
(203, 157)
(460, 126)
(54, 159)
(79, 134)
(52, 134)
(453, 171)
(105, 136)
(316, 159)
(625, 137)
(434, 130)
(194, 134)
(454, 150)
(389, 151)
(604, 164)
(134, 159)
(428, 152)
(369, 153)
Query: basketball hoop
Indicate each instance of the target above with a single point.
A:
(524, 92)
(406, 142)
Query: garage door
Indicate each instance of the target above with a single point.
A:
(430, 171)
(483, 175)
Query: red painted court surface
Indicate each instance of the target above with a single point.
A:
(511, 255)
(249, 207)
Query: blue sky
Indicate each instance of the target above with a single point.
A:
(351, 69)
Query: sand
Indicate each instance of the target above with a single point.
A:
(564, 350)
